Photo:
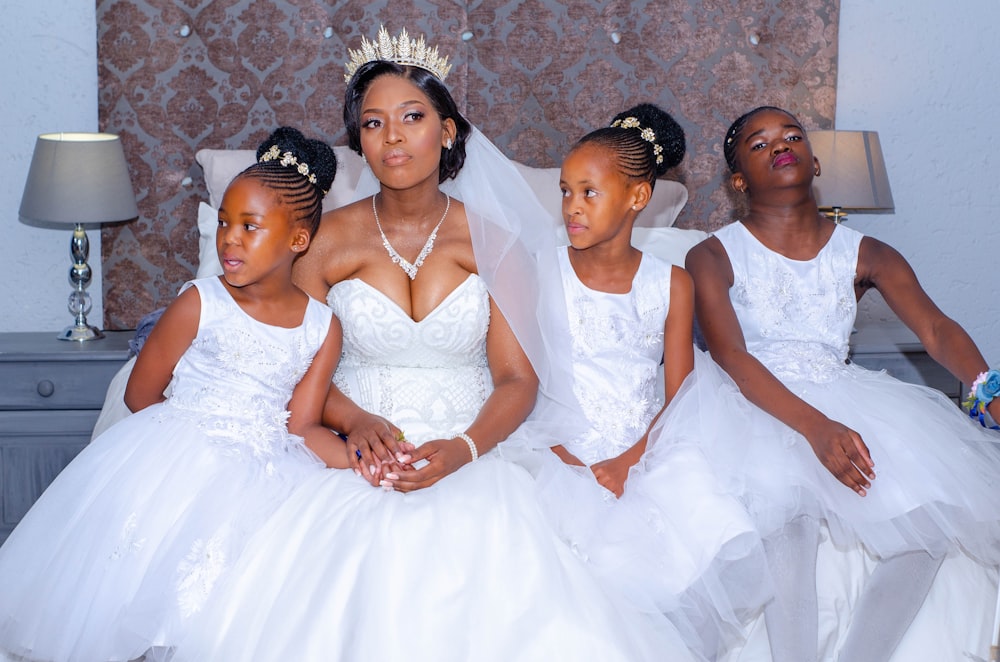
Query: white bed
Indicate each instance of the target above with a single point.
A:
(954, 624)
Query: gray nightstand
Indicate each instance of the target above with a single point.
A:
(51, 392)
(895, 349)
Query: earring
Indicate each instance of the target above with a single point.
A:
(364, 160)
(447, 145)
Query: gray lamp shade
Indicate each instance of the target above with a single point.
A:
(852, 172)
(78, 178)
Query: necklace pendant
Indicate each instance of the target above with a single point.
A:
(410, 269)
(404, 264)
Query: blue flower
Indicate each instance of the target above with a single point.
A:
(989, 387)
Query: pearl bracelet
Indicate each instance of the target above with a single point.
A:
(472, 445)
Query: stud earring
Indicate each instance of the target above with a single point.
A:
(447, 145)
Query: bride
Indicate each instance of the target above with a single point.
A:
(437, 277)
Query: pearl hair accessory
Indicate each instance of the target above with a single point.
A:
(288, 159)
(647, 134)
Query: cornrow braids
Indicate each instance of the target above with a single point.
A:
(736, 128)
(646, 142)
(299, 170)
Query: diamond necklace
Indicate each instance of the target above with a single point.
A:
(404, 264)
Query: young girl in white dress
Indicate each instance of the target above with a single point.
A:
(434, 550)
(122, 552)
(895, 467)
(640, 505)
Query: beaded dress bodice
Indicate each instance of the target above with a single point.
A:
(237, 377)
(617, 349)
(796, 316)
(430, 378)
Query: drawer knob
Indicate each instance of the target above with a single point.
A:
(46, 388)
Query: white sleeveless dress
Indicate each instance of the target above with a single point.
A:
(673, 543)
(125, 547)
(467, 569)
(938, 472)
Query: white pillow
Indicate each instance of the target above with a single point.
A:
(220, 166)
(208, 257)
(666, 202)
(670, 244)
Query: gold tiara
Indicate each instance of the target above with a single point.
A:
(401, 50)
(647, 134)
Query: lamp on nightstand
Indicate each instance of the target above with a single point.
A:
(852, 173)
(78, 179)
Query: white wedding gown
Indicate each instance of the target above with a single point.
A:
(467, 569)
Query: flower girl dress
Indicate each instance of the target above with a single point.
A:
(126, 546)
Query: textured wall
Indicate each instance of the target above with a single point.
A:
(533, 75)
(49, 83)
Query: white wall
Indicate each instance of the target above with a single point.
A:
(925, 75)
(49, 83)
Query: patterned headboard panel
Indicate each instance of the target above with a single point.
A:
(180, 75)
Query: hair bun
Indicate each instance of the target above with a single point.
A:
(669, 134)
(316, 154)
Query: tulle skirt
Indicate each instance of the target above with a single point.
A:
(467, 569)
(126, 546)
(937, 485)
(675, 542)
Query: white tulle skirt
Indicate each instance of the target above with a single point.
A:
(125, 547)
(467, 569)
(937, 485)
(675, 542)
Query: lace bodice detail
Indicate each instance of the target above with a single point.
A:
(238, 375)
(430, 377)
(617, 349)
(796, 315)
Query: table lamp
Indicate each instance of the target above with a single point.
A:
(852, 173)
(78, 179)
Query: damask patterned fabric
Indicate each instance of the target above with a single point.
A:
(535, 75)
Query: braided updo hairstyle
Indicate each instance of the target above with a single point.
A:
(736, 128)
(635, 155)
(288, 181)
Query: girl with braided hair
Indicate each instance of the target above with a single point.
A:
(636, 501)
(892, 468)
(131, 539)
